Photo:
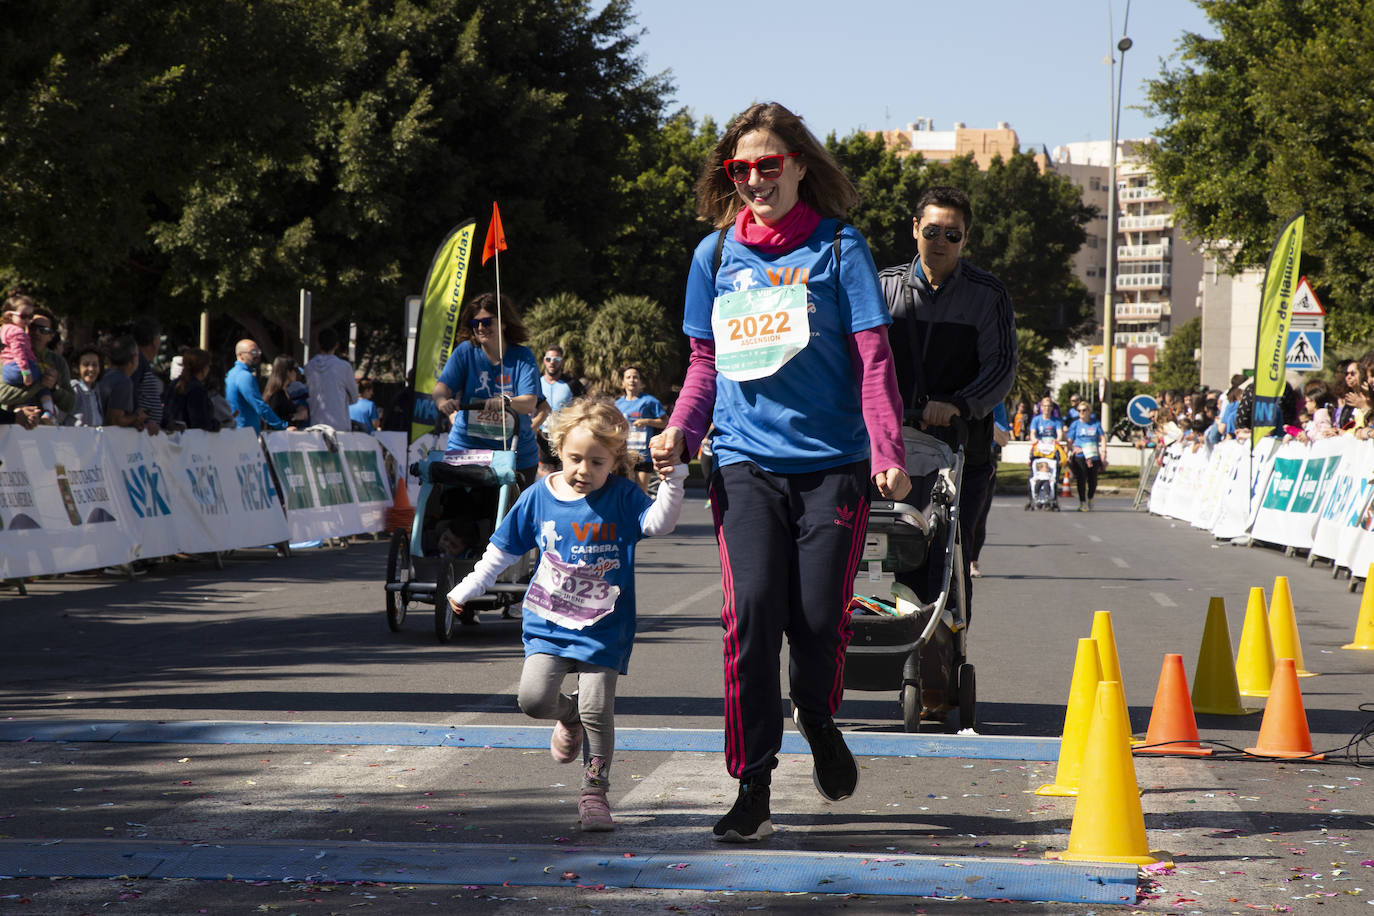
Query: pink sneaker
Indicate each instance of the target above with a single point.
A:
(566, 742)
(593, 811)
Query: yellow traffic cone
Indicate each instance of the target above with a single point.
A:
(1108, 824)
(1105, 635)
(1255, 660)
(1283, 627)
(1364, 624)
(1087, 673)
(1215, 690)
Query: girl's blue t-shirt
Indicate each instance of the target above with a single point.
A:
(601, 530)
(646, 406)
(1081, 431)
(471, 376)
(808, 415)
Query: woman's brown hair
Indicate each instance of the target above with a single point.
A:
(826, 189)
(513, 331)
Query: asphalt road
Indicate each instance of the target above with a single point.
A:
(329, 756)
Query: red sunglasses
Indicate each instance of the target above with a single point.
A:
(769, 167)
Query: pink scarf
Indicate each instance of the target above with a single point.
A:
(788, 233)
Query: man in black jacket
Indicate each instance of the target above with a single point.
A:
(953, 341)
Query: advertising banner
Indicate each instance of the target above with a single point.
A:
(1301, 477)
(61, 504)
(1271, 343)
(1338, 514)
(1241, 500)
(438, 327)
(1226, 458)
(332, 487)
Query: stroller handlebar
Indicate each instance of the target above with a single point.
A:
(912, 417)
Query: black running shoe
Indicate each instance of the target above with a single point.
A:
(835, 773)
(748, 821)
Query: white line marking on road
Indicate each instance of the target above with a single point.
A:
(1162, 599)
(688, 601)
(1120, 562)
(1095, 539)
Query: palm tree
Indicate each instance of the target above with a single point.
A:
(1033, 366)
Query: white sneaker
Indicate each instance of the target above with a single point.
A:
(974, 572)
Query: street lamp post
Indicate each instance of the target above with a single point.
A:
(1109, 308)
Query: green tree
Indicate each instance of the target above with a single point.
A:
(650, 251)
(561, 320)
(1269, 118)
(887, 194)
(1177, 366)
(1033, 367)
(633, 330)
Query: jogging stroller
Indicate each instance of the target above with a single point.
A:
(905, 643)
(1046, 464)
(463, 495)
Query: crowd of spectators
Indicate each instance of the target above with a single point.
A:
(126, 379)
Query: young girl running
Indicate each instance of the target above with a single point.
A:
(579, 612)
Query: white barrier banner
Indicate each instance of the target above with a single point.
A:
(1301, 475)
(1241, 499)
(1358, 552)
(1226, 457)
(1160, 494)
(1338, 517)
(330, 490)
(1186, 490)
(61, 503)
(75, 499)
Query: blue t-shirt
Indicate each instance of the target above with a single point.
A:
(470, 375)
(600, 529)
(808, 415)
(363, 411)
(646, 406)
(557, 393)
(1043, 427)
(1081, 431)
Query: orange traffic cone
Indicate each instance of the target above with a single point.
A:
(1283, 733)
(1066, 485)
(1283, 627)
(1108, 824)
(1255, 660)
(1173, 728)
(401, 513)
(1364, 624)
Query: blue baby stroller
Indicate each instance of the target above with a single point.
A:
(905, 643)
(463, 495)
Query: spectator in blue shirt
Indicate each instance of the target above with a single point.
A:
(1045, 426)
(362, 413)
(242, 393)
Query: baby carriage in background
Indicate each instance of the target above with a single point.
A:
(463, 495)
(1046, 463)
(905, 644)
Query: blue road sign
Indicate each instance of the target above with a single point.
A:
(1305, 348)
(1139, 407)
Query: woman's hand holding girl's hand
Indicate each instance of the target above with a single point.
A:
(666, 449)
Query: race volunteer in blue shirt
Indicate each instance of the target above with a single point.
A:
(497, 371)
(1089, 445)
(242, 393)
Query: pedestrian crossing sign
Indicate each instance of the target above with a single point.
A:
(1305, 349)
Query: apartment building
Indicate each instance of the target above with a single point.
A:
(1158, 270)
(983, 143)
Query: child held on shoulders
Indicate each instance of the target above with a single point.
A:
(579, 611)
(20, 364)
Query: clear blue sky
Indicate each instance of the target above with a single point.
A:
(847, 65)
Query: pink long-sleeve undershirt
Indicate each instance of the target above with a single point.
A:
(874, 369)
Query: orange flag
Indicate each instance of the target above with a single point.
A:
(496, 236)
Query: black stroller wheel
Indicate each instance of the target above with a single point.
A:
(968, 696)
(911, 707)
